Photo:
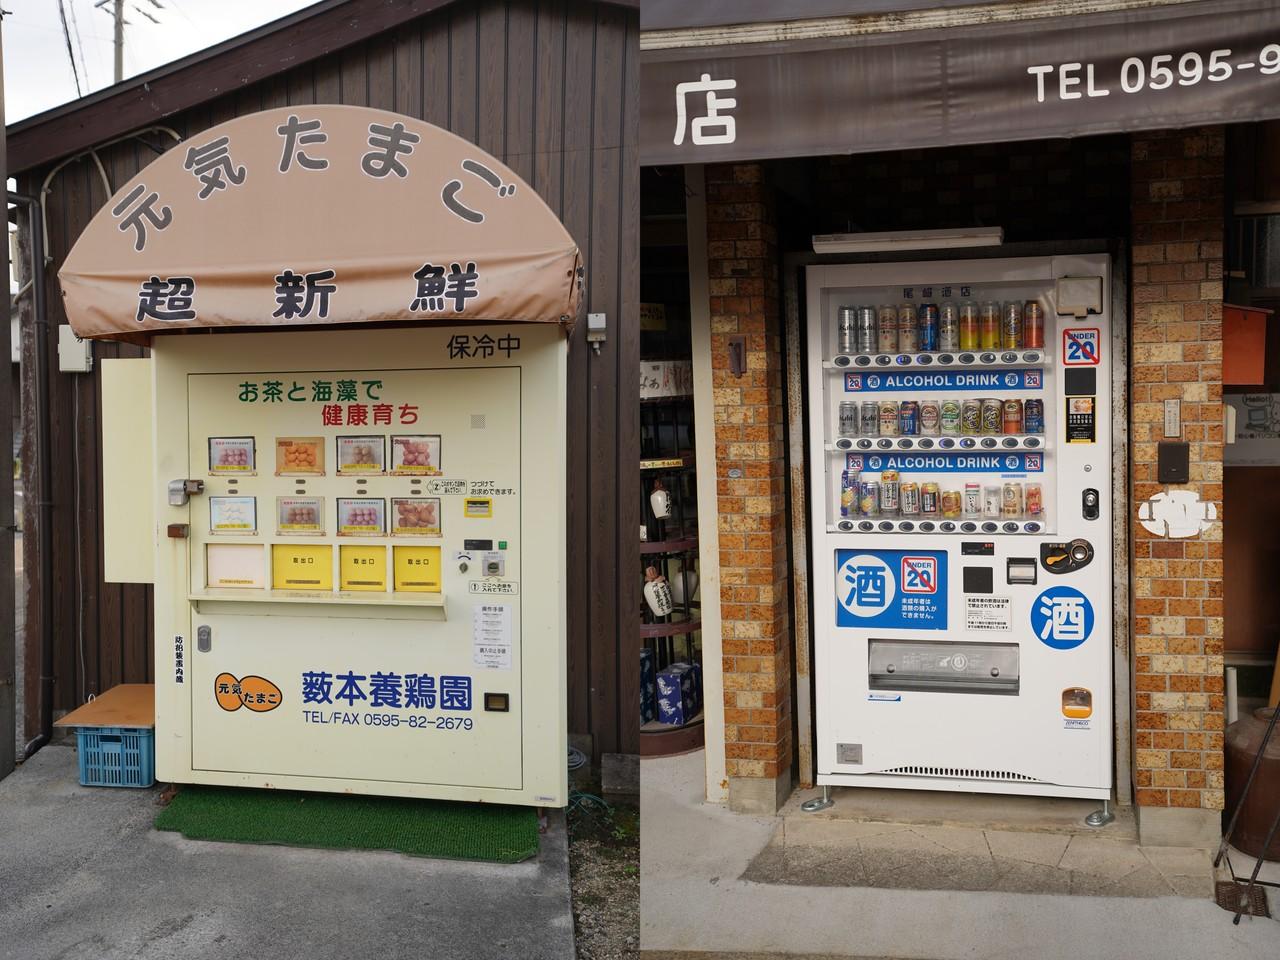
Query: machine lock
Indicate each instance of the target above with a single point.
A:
(180, 491)
(1065, 557)
(1090, 504)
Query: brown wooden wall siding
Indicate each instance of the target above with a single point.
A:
(550, 88)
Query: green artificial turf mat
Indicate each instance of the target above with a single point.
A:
(424, 828)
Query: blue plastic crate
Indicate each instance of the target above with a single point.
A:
(116, 756)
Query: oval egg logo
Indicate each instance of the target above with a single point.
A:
(255, 693)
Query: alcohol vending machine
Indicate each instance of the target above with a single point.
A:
(358, 550)
(960, 452)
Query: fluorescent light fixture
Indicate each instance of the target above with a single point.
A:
(908, 240)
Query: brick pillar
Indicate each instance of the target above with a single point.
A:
(1177, 583)
(750, 486)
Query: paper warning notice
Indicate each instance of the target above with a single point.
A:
(988, 614)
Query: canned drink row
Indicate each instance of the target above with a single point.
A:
(946, 418)
(945, 327)
(891, 496)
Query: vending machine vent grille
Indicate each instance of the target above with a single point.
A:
(962, 773)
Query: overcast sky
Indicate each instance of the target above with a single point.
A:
(37, 65)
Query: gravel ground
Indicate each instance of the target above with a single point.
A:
(604, 870)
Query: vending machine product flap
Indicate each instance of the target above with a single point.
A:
(943, 666)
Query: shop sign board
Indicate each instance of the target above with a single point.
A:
(1164, 66)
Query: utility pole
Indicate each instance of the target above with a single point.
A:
(118, 15)
(119, 40)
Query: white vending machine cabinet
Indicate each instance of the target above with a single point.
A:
(961, 524)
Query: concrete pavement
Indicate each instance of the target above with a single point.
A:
(84, 877)
(701, 890)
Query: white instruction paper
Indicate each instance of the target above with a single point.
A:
(986, 614)
(491, 636)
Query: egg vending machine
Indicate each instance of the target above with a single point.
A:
(359, 551)
(960, 477)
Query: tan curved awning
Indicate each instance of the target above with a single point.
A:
(316, 216)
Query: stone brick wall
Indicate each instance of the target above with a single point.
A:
(1177, 179)
(750, 482)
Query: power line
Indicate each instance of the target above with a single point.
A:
(75, 72)
(75, 28)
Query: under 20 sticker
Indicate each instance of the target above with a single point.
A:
(891, 588)
(1062, 617)
(1082, 347)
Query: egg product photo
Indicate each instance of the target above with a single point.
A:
(233, 515)
(299, 456)
(361, 517)
(363, 455)
(416, 455)
(231, 455)
(415, 517)
(300, 515)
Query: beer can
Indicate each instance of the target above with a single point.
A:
(889, 482)
(1035, 500)
(866, 330)
(908, 418)
(927, 327)
(929, 498)
(1011, 326)
(951, 504)
(869, 417)
(930, 418)
(989, 326)
(971, 417)
(1033, 416)
(868, 498)
(969, 325)
(887, 328)
(948, 328)
(909, 499)
(846, 330)
(848, 418)
(971, 506)
(1011, 500)
(1033, 324)
(888, 418)
(949, 421)
(1012, 422)
(992, 414)
(991, 502)
(848, 493)
(908, 337)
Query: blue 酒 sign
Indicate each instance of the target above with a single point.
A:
(1062, 618)
(879, 382)
(901, 589)
(946, 462)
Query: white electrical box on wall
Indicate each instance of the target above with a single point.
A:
(74, 355)
(961, 521)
